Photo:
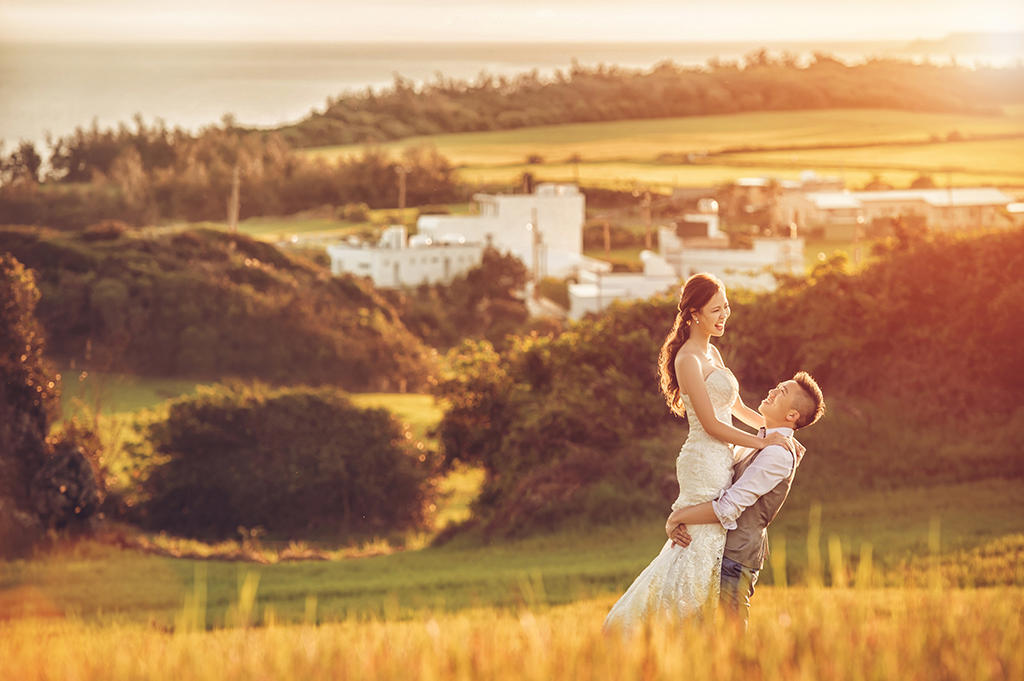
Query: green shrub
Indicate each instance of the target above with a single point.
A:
(296, 462)
(207, 304)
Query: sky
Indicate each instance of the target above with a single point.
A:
(508, 20)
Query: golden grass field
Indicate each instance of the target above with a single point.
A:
(620, 153)
(797, 634)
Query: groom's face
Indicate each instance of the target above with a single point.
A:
(778, 405)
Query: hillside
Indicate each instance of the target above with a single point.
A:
(209, 304)
(610, 93)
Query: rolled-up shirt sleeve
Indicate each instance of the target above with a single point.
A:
(772, 466)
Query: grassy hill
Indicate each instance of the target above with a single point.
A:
(207, 304)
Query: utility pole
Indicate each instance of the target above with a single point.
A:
(647, 219)
(402, 171)
(233, 202)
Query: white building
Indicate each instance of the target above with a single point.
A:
(845, 215)
(680, 256)
(750, 268)
(599, 287)
(397, 261)
(543, 229)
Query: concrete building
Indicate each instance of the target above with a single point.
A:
(543, 229)
(846, 215)
(397, 261)
(682, 253)
(750, 268)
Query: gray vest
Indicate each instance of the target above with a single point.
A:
(748, 543)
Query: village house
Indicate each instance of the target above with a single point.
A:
(692, 245)
(846, 215)
(397, 261)
(544, 229)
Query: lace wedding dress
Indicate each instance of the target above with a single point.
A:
(681, 582)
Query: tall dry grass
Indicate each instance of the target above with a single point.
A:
(811, 634)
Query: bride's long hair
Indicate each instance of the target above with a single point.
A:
(695, 294)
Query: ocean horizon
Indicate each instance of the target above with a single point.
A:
(52, 88)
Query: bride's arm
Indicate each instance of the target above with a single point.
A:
(739, 409)
(691, 381)
(746, 414)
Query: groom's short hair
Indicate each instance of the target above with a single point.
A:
(808, 401)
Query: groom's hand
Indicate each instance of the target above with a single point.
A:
(680, 537)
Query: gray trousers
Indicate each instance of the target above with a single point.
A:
(737, 588)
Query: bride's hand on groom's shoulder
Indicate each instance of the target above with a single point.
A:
(781, 440)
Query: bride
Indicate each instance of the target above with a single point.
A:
(682, 581)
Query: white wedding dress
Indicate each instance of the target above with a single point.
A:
(680, 582)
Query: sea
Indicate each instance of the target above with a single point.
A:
(51, 89)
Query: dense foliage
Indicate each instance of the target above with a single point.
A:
(152, 173)
(43, 483)
(928, 333)
(607, 93)
(486, 302)
(295, 462)
(26, 391)
(209, 304)
(554, 420)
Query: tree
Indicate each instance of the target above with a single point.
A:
(23, 163)
(923, 181)
(26, 392)
(42, 483)
(293, 461)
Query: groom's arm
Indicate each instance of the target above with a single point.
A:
(771, 467)
(698, 514)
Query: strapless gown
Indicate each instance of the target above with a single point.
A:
(682, 582)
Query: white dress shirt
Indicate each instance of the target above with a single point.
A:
(772, 466)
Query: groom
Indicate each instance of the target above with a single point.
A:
(760, 484)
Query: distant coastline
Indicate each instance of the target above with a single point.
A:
(56, 87)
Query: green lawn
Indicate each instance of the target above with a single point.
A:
(971, 532)
(302, 226)
(979, 530)
(87, 392)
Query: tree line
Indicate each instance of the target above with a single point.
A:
(760, 82)
(149, 173)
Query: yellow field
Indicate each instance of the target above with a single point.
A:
(627, 176)
(794, 634)
(621, 154)
(647, 139)
(997, 157)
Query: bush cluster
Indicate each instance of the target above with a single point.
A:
(486, 302)
(928, 332)
(296, 462)
(208, 304)
(563, 411)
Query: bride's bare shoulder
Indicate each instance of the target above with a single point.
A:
(686, 359)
